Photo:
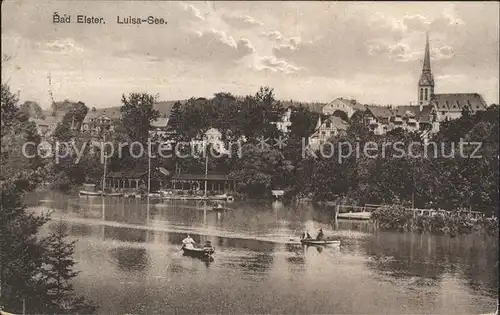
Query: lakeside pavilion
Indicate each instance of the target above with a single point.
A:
(130, 181)
(216, 183)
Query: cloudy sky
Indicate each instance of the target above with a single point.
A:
(306, 51)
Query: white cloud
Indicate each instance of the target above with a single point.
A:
(240, 21)
(63, 46)
(273, 35)
(442, 23)
(192, 10)
(275, 65)
(445, 52)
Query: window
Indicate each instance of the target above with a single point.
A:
(421, 94)
(328, 125)
(442, 113)
(426, 96)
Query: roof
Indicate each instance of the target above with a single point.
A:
(47, 121)
(160, 123)
(127, 174)
(337, 122)
(406, 111)
(352, 103)
(112, 113)
(379, 111)
(425, 114)
(201, 177)
(313, 107)
(456, 102)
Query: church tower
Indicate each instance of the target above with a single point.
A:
(426, 82)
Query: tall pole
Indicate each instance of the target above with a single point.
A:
(104, 174)
(149, 166)
(206, 171)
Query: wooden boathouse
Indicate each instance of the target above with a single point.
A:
(215, 183)
(130, 181)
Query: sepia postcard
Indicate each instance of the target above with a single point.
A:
(249, 157)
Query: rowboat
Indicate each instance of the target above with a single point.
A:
(200, 252)
(90, 193)
(322, 242)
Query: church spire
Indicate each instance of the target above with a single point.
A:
(427, 57)
(426, 82)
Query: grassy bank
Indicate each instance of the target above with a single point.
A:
(396, 217)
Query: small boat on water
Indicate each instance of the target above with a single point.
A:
(200, 252)
(99, 193)
(221, 197)
(314, 242)
(90, 193)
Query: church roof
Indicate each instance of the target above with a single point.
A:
(456, 102)
(425, 114)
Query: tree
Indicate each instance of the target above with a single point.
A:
(260, 169)
(16, 131)
(8, 105)
(303, 122)
(57, 272)
(32, 109)
(23, 255)
(137, 114)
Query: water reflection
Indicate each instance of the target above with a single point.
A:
(207, 260)
(125, 234)
(127, 241)
(431, 257)
(130, 259)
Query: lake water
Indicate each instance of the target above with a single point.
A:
(131, 263)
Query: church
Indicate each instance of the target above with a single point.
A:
(445, 106)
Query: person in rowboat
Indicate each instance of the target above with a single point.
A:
(188, 242)
(306, 236)
(320, 235)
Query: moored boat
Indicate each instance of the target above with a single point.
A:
(90, 193)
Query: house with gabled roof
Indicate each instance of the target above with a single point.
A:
(377, 118)
(342, 107)
(330, 127)
(45, 127)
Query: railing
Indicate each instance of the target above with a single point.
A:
(416, 211)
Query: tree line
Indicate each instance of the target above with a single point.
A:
(427, 181)
(35, 271)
